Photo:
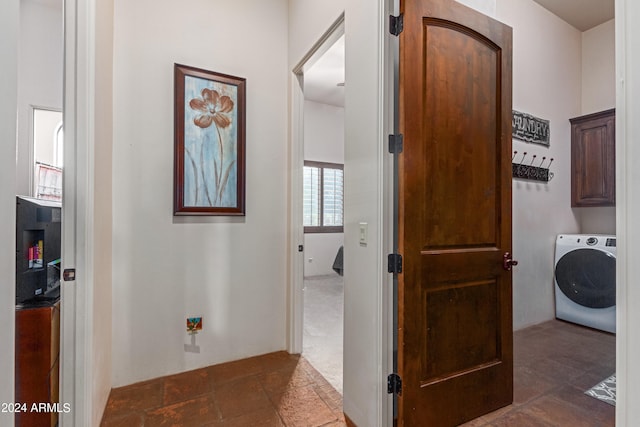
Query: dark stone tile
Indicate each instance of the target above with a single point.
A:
(278, 382)
(232, 371)
(593, 407)
(528, 385)
(554, 363)
(193, 412)
(557, 372)
(266, 417)
(586, 381)
(330, 396)
(131, 420)
(559, 413)
(135, 398)
(302, 407)
(238, 397)
(519, 419)
(486, 419)
(279, 360)
(187, 385)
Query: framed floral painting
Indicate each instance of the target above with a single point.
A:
(209, 127)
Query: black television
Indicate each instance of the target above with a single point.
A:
(38, 249)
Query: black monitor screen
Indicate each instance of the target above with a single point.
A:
(38, 249)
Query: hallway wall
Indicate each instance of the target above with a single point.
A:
(40, 71)
(9, 19)
(628, 210)
(102, 339)
(231, 271)
(546, 84)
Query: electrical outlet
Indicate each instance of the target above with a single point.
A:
(194, 324)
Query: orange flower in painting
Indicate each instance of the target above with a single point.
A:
(214, 108)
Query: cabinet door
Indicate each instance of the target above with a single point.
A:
(593, 160)
(37, 371)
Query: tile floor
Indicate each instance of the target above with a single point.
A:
(554, 363)
(276, 389)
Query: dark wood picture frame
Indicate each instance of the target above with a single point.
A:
(209, 143)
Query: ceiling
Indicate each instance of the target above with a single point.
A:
(582, 14)
(321, 80)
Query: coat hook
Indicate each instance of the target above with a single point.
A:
(523, 156)
(532, 160)
(514, 155)
(542, 162)
(550, 161)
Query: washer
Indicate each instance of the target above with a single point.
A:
(585, 280)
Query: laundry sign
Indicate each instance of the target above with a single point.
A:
(526, 127)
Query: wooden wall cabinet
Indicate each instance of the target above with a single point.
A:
(593, 159)
(37, 363)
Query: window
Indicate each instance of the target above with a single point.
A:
(47, 148)
(323, 197)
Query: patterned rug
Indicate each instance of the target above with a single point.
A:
(605, 391)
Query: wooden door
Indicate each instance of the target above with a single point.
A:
(455, 354)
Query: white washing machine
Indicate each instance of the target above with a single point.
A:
(585, 280)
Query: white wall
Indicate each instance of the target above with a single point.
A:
(488, 7)
(232, 271)
(366, 281)
(323, 142)
(599, 68)
(546, 83)
(103, 218)
(323, 132)
(628, 210)
(598, 94)
(320, 251)
(308, 21)
(40, 75)
(9, 19)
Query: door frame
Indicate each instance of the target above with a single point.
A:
(76, 329)
(296, 163)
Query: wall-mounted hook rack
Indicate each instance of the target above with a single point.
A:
(531, 171)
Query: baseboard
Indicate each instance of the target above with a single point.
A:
(349, 422)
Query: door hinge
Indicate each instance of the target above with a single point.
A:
(394, 384)
(395, 263)
(396, 24)
(396, 143)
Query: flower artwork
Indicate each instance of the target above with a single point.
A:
(209, 158)
(206, 137)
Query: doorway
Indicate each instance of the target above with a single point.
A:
(38, 222)
(319, 204)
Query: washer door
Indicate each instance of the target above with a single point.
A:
(588, 277)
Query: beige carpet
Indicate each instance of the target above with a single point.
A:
(323, 326)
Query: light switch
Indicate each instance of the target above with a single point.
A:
(363, 233)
